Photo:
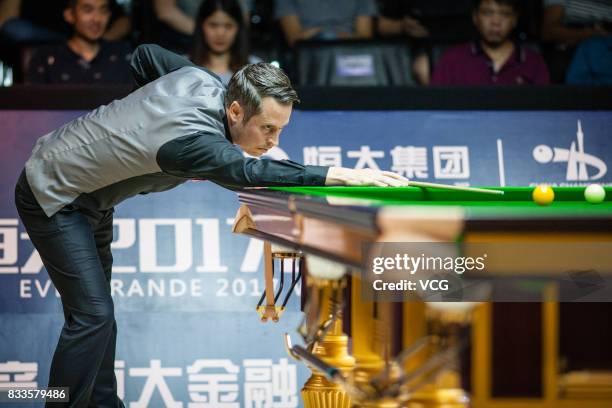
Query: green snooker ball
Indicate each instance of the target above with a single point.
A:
(594, 194)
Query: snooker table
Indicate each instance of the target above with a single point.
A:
(333, 224)
(335, 221)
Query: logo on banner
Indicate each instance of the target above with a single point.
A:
(18, 374)
(578, 161)
(167, 263)
(451, 162)
(209, 383)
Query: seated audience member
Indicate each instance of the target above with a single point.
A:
(571, 21)
(85, 58)
(592, 63)
(494, 58)
(37, 22)
(566, 23)
(178, 22)
(325, 20)
(220, 38)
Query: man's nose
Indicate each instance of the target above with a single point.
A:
(98, 18)
(273, 141)
(497, 18)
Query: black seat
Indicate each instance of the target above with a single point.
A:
(353, 63)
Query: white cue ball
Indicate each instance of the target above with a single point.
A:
(594, 194)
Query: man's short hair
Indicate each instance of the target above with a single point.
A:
(253, 82)
(515, 4)
(73, 3)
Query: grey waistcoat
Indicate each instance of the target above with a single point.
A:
(110, 153)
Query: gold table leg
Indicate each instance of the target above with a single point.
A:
(318, 392)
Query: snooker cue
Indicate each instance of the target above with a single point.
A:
(423, 184)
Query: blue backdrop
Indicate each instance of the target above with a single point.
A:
(185, 287)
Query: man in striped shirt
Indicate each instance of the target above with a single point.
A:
(566, 23)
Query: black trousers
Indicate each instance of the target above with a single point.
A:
(74, 245)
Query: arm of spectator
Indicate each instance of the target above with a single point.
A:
(363, 27)
(292, 28)
(120, 24)
(119, 29)
(364, 19)
(553, 29)
(9, 9)
(389, 27)
(168, 12)
(421, 69)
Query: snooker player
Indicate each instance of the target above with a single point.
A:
(181, 123)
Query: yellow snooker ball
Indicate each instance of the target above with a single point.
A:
(543, 194)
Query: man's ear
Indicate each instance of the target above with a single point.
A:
(474, 16)
(235, 112)
(69, 15)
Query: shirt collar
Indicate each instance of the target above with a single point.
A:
(78, 57)
(518, 54)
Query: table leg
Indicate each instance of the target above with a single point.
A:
(318, 392)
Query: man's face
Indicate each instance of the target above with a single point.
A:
(89, 18)
(261, 132)
(494, 22)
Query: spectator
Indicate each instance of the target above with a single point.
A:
(85, 58)
(566, 23)
(178, 18)
(325, 20)
(220, 39)
(572, 21)
(36, 22)
(592, 63)
(493, 59)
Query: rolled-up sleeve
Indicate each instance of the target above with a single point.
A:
(213, 157)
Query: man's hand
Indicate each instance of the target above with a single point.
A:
(342, 176)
